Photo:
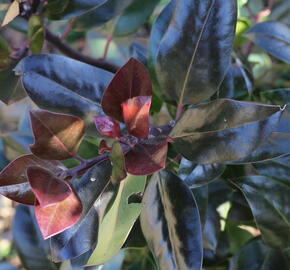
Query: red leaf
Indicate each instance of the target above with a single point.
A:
(131, 80)
(47, 188)
(136, 115)
(147, 157)
(56, 218)
(107, 126)
(103, 147)
(56, 136)
(13, 180)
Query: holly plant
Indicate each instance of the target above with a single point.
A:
(172, 157)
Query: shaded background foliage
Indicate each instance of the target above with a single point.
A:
(237, 208)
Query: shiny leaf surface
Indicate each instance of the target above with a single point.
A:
(134, 16)
(118, 221)
(170, 223)
(107, 126)
(55, 218)
(95, 192)
(147, 157)
(13, 180)
(214, 132)
(47, 188)
(257, 256)
(136, 115)
(71, 8)
(53, 83)
(196, 175)
(269, 202)
(130, 81)
(57, 136)
(102, 14)
(194, 53)
(273, 37)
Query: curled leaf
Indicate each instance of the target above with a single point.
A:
(131, 80)
(136, 115)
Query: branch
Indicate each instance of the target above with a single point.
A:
(67, 50)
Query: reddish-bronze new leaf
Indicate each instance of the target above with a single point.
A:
(57, 136)
(107, 126)
(13, 180)
(47, 188)
(131, 80)
(147, 157)
(56, 218)
(136, 115)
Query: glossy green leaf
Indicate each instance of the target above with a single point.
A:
(193, 45)
(269, 201)
(53, 83)
(170, 223)
(102, 14)
(257, 256)
(134, 16)
(237, 82)
(30, 246)
(65, 9)
(196, 175)
(35, 34)
(118, 221)
(277, 168)
(214, 132)
(11, 89)
(118, 163)
(273, 37)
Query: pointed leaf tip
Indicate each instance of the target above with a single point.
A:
(136, 115)
(131, 80)
(47, 188)
(57, 136)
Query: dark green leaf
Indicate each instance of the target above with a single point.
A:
(28, 241)
(196, 46)
(273, 37)
(237, 82)
(134, 16)
(269, 201)
(170, 223)
(224, 130)
(276, 96)
(102, 14)
(67, 9)
(53, 82)
(35, 34)
(196, 175)
(257, 256)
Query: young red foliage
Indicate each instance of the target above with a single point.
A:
(13, 178)
(56, 218)
(131, 80)
(57, 136)
(107, 126)
(147, 157)
(136, 115)
(47, 188)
